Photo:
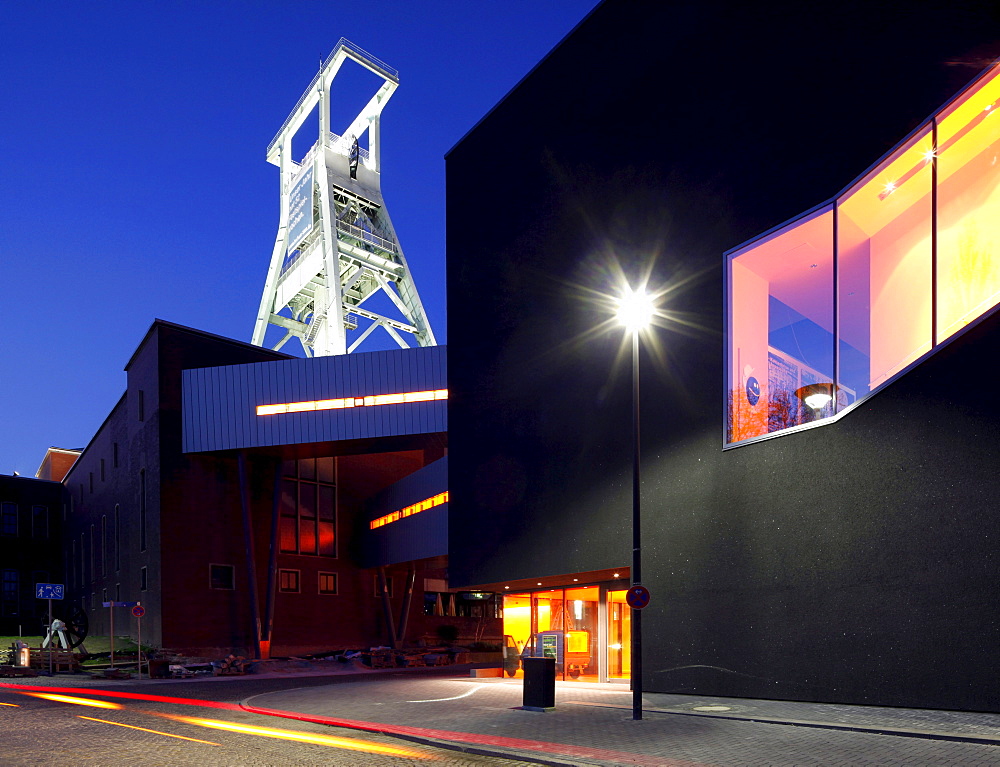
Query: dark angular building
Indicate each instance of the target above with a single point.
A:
(31, 520)
(839, 549)
(264, 504)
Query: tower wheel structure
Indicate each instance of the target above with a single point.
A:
(336, 246)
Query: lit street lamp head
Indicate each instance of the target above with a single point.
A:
(635, 310)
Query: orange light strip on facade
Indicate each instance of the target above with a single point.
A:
(346, 402)
(409, 511)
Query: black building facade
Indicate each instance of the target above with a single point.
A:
(31, 520)
(849, 563)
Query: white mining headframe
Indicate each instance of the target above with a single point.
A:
(336, 246)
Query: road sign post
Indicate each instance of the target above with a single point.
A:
(138, 611)
(637, 597)
(50, 591)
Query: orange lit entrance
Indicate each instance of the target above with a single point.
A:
(587, 630)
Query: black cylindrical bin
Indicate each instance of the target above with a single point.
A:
(539, 683)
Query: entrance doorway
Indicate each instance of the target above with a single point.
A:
(587, 630)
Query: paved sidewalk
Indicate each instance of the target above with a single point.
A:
(592, 724)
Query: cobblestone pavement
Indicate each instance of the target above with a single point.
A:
(421, 710)
(592, 724)
(37, 731)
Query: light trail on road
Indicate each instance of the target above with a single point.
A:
(74, 700)
(144, 729)
(301, 737)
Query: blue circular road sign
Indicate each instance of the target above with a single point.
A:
(637, 597)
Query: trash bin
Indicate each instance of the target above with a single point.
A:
(158, 669)
(539, 683)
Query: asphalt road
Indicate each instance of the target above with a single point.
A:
(44, 731)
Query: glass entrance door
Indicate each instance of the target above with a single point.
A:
(619, 636)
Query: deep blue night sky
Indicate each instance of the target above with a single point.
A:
(134, 184)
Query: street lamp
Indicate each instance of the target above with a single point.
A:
(635, 311)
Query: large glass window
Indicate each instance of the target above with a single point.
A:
(905, 258)
(968, 267)
(781, 328)
(884, 269)
(308, 507)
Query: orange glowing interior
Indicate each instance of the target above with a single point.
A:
(409, 511)
(349, 402)
(914, 245)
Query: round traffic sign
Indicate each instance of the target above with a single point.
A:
(138, 611)
(637, 597)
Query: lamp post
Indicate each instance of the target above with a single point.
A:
(635, 310)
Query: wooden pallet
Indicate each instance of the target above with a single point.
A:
(62, 660)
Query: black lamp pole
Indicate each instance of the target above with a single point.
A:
(636, 536)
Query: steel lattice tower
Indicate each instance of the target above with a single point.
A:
(336, 246)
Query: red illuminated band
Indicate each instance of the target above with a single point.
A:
(346, 402)
(409, 511)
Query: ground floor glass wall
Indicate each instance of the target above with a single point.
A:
(586, 629)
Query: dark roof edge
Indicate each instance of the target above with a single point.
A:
(204, 333)
(529, 73)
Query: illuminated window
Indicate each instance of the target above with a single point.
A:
(829, 308)
(8, 519)
(370, 400)
(308, 512)
(221, 577)
(288, 581)
(327, 583)
(409, 511)
(781, 327)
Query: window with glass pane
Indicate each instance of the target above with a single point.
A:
(8, 519)
(9, 594)
(39, 522)
(884, 254)
(308, 507)
(968, 262)
(327, 583)
(781, 329)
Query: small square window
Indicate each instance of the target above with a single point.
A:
(222, 577)
(327, 583)
(143, 583)
(388, 586)
(288, 580)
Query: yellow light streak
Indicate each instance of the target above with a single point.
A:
(347, 402)
(301, 737)
(71, 699)
(12, 705)
(414, 508)
(156, 732)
